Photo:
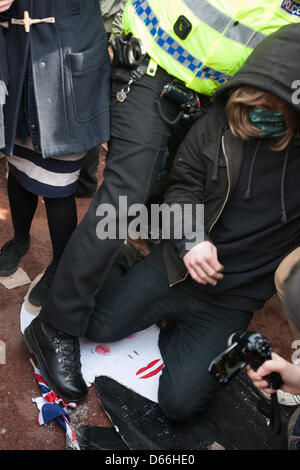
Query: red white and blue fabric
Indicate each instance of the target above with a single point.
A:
(52, 407)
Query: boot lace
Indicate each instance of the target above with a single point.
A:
(68, 351)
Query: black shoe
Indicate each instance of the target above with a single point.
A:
(10, 256)
(57, 356)
(40, 292)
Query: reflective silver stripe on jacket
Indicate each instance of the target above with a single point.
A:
(224, 24)
(173, 48)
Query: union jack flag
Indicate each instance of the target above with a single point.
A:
(51, 407)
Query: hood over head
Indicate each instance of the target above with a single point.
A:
(273, 66)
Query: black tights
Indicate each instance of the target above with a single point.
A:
(61, 215)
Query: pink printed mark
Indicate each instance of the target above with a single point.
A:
(131, 336)
(148, 367)
(103, 349)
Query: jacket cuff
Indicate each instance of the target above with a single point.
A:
(184, 246)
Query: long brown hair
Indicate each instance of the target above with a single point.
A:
(237, 112)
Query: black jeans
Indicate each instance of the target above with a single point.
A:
(139, 139)
(195, 334)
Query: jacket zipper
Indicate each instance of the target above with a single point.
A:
(228, 190)
(180, 280)
(222, 208)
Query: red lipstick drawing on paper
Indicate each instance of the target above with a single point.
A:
(153, 368)
(103, 349)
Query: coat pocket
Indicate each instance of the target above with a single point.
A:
(90, 81)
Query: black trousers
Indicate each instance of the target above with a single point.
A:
(88, 181)
(139, 139)
(195, 334)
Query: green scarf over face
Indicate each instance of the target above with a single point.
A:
(271, 123)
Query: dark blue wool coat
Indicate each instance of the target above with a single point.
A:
(71, 74)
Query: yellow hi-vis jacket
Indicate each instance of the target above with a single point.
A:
(221, 34)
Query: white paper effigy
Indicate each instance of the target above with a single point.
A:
(135, 362)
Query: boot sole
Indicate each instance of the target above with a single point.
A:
(41, 365)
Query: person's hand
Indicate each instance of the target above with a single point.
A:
(203, 265)
(5, 5)
(110, 53)
(290, 374)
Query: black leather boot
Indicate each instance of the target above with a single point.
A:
(57, 356)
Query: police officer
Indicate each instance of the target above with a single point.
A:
(202, 43)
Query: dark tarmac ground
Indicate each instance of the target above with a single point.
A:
(18, 427)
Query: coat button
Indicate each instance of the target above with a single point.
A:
(42, 64)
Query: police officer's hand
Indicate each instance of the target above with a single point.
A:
(5, 5)
(290, 375)
(203, 264)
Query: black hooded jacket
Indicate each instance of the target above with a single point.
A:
(207, 169)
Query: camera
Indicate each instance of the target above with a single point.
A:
(175, 91)
(128, 51)
(247, 348)
(187, 100)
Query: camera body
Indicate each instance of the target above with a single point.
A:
(187, 100)
(128, 51)
(247, 348)
(175, 91)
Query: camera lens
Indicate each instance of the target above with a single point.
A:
(135, 53)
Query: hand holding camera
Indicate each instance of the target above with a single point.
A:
(290, 374)
(247, 349)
